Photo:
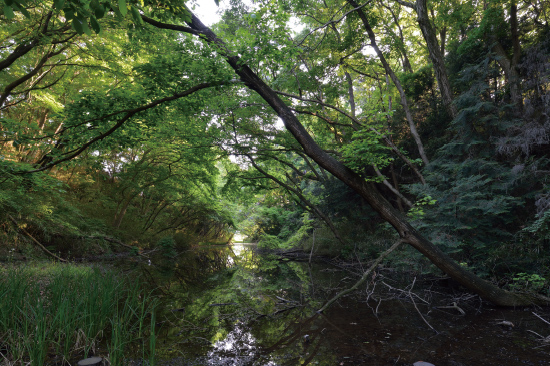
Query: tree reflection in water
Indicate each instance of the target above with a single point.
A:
(233, 306)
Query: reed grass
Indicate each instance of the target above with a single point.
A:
(68, 312)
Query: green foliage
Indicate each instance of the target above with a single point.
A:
(536, 237)
(540, 227)
(40, 198)
(295, 240)
(269, 242)
(473, 210)
(417, 83)
(165, 172)
(528, 282)
(365, 149)
(417, 211)
(83, 15)
(167, 246)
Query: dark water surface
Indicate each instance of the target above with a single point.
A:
(233, 306)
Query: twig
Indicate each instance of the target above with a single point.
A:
(312, 246)
(116, 241)
(285, 300)
(419, 313)
(377, 306)
(538, 316)
(531, 331)
(406, 292)
(363, 278)
(454, 306)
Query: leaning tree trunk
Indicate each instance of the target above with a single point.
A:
(407, 233)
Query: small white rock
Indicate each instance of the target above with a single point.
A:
(92, 361)
(422, 363)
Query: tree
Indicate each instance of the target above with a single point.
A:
(367, 191)
(311, 147)
(435, 52)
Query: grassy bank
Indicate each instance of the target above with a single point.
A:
(52, 313)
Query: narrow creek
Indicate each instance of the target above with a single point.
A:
(230, 305)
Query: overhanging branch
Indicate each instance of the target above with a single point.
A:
(129, 114)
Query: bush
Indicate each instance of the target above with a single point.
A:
(167, 246)
(269, 242)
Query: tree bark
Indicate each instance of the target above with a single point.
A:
(510, 71)
(392, 188)
(408, 234)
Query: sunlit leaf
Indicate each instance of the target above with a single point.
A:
(122, 7)
(136, 15)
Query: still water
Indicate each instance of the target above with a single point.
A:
(231, 305)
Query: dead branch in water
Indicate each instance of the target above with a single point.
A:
(363, 278)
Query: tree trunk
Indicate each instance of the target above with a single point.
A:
(408, 234)
(407, 67)
(437, 57)
(395, 80)
(119, 215)
(510, 72)
(436, 52)
(515, 87)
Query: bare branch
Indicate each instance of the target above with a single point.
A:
(363, 278)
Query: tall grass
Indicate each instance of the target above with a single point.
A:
(68, 312)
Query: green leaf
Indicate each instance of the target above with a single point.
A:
(186, 15)
(8, 12)
(136, 15)
(85, 27)
(69, 13)
(77, 25)
(59, 4)
(122, 7)
(95, 24)
(20, 8)
(97, 8)
(8, 2)
(99, 11)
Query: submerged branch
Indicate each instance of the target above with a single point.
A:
(363, 278)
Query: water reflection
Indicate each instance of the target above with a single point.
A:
(232, 306)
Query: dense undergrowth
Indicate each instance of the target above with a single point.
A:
(72, 217)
